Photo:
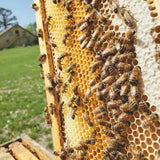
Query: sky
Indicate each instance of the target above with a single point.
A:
(21, 9)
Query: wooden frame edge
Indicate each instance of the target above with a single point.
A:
(49, 68)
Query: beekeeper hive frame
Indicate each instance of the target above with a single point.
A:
(84, 44)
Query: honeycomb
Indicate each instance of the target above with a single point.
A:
(105, 57)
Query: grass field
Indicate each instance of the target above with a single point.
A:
(22, 96)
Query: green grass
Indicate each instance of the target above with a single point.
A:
(22, 94)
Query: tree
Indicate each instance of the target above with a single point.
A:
(32, 28)
(6, 18)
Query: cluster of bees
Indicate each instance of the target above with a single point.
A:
(115, 83)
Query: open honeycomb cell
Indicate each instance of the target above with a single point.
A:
(109, 116)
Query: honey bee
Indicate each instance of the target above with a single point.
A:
(62, 154)
(120, 126)
(67, 147)
(123, 117)
(46, 109)
(39, 33)
(125, 56)
(51, 43)
(93, 134)
(108, 67)
(101, 115)
(64, 88)
(75, 90)
(97, 32)
(54, 1)
(71, 67)
(125, 41)
(34, 6)
(66, 152)
(130, 34)
(108, 52)
(84, 43)
(42, 57)
(69, 27)
(118, 155)
(89, 8)
(67, 5)
(77, 101)
(59, 60)
(42, 74)
(81, 146)
(65, 38)
(150, 120)
(98, 57)
(87, 96)
(144, 107)
(128, 19)
(124, 90)
(124, 107)
(108, 80)
(52, 108)
(70, 76)
(47, 118)
(50, 89)
(85, 25)
(95, 87)
(133, 106)
(115, 59)
(73, 113)
(47, 20)
(89, 16)
(99, 109)
(129, 47)
(134, 91)
(99, 17)
(115, 113)
(79, 23)
(123, 67)
(106, 36)
(106, 154)
(114, 6)
(94, 80)
(101, 86)
(40, 65)
(113, 93)
(122, 79)
(100, 96)
(112, 144)
(108, 132)
(105, 92)
(95, 66)
(84, 36)
(88, 141)
(67, 16)
(71, 101)
(87, 119)
(95, 3)
(104, 74)
(103, 122)
(91, 44)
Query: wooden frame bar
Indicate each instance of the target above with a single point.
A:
(49, 68)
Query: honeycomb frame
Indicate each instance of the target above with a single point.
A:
(48, 68)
